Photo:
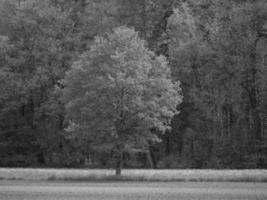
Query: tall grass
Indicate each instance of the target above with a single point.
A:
(134, 175)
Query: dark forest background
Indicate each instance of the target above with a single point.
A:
(216, 48)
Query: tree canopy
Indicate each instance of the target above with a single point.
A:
(119, 91)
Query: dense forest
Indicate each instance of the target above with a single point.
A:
(214, 52)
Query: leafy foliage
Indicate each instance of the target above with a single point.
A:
(119, 91)
(216, 49)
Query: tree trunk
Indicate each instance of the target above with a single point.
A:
(159, 30)
(119, 163)
(149, 159)
(144, 18)
(192, 152)
(167, 143)
(253, 98)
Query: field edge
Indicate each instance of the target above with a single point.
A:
(134, 175)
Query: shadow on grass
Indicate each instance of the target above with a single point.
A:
(123, 178)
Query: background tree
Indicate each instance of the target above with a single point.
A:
(216, 48)
(216, 53)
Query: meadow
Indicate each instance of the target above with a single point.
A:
(134, 175)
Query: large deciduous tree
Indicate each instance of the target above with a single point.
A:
(118, 92)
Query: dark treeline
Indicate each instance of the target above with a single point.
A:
(217, 49)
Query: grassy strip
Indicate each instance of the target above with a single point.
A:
(134, 175)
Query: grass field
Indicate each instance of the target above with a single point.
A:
(39, 190)
(134, 175)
